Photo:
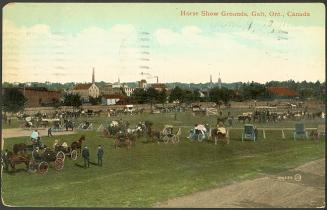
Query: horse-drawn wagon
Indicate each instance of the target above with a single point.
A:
(167, 134)
(85, 126)
(220, 134)
(124, 139)
(64, 150)
(199, 133)
(37, 163)
(43, 158)
(250, 132)
(71, 151)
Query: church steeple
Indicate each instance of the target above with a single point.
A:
(219, 81)
(93, 78)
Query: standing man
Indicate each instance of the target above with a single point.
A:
(50, 132)
(86, 156)
(100, 155)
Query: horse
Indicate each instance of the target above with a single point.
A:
(138, 130)
(14, 159)
(243, 118)
(123, 139)
(21, 147)
(78, 144)
(220, 134)
(154, 135)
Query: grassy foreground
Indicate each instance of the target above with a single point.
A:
(150, 173)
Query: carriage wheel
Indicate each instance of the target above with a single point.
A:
(59, 164)
(175, 139)
(200, 137)
(61, 155)
(73, 155)
(43, 168)
(165, 139)
(32, 166)
(33, 154)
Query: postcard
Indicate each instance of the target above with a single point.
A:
(163, 105)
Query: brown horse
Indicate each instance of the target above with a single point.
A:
(21, 147)
(78, 144)
(219, 136)
(124, 140)
(153, 134)
(14, 159)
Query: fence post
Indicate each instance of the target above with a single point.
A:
(283, 134)
(264, 133)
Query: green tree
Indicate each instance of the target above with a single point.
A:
(71, 99)
(162, 96)
(139, 96)
(254, 91)
(219, 95)
(95, 101)
(176, 94)
(152, 95)
(13, 100)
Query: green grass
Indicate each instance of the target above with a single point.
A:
(150, 173)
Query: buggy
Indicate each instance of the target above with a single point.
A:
(41, 160)
(167, 134)
(63, 150)
(199, 133)
(250, 132)
(57, 126)
(300, 131)
(85, 126)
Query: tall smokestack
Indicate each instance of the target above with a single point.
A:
(93, 77)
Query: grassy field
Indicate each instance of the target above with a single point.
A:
(150, 173)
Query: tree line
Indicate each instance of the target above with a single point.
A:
(13, 100)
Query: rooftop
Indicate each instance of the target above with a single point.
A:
(82, 86)
(282, 91)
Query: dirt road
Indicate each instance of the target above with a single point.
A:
(17, 132)
(299, 188)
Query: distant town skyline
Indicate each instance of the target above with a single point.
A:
(63, 43)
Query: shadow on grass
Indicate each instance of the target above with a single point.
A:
(82, 166)
(79, 165)
(93, 163)
(11, 172)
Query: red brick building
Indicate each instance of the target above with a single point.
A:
(39, 96)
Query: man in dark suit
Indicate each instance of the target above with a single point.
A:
(86, 156)
(100, 155)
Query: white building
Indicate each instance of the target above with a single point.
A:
(128, 90)
(87, 90)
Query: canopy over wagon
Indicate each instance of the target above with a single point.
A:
(250, 132)
(50, 120)
(199, 133)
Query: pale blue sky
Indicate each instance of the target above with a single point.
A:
(62, 42)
